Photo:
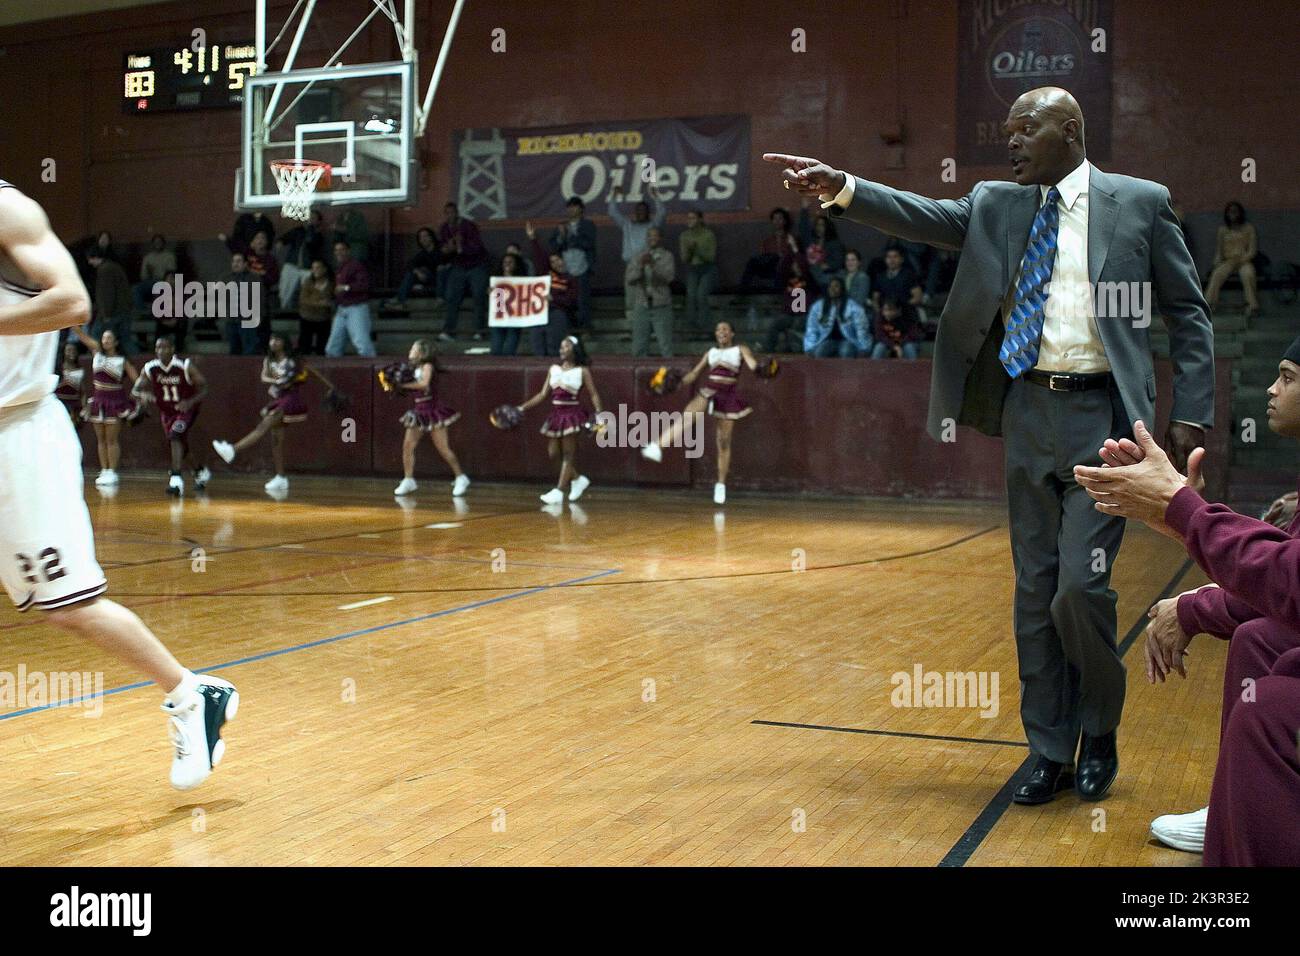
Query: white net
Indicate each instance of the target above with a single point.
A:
(297, 182)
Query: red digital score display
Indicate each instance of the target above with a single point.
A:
(187, 78)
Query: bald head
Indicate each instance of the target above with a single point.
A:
(1044, 136)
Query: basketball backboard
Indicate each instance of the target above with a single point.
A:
(360, 119)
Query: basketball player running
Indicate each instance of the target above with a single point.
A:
(178, 388)
(719, 396)
(47, 547)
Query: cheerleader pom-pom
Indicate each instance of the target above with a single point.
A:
(665, 380)
(768, 367)
(391, 377)
(506, 417)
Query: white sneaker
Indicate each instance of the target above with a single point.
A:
(719, 494)
(1182, 831)
(578, 486)
(201, 478)
(278, 483)
(553, 497)
(195, 729)
(407, 486)
(107, 477)
(176, 485)
(224, 449)
(653, 452)
(460, 486)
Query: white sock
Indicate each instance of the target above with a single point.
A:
(189, 683)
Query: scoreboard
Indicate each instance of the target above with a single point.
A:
(187, 77)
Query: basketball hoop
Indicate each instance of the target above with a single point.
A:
(298, 180)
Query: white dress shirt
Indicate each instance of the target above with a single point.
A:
(1070, 342)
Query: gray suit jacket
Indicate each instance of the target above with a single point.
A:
(1133, 237)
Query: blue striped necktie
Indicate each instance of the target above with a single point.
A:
(1024, 331)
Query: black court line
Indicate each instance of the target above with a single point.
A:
(893, 733)
(886, 559)
(975, 834)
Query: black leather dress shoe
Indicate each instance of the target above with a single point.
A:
(1046, 780)
(1098, 766)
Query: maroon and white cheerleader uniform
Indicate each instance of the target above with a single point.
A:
(429, 413)
(110, 401)
(567, 416)
(68, 391)
(285, 393)
(171, 385)
(720, 386)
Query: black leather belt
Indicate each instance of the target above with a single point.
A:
(1068, 381)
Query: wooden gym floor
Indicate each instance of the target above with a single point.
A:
(646, 681)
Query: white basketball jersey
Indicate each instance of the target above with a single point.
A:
(26, 361)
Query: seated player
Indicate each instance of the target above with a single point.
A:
(1256, 792)
(284, 376)
(178, 388)
(47, 545)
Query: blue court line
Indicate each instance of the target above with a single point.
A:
(319, 643)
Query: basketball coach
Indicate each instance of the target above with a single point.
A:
(1055, 379)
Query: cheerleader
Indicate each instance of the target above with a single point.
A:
(719, 396)
(284, 376)
(429, 415)
(567, 418)
(71, 390)
(110, 404)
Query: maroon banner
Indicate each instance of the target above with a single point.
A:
(530, 173)
(1007, 47)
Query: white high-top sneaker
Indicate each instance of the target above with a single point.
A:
(201, 478)
(1182, 831)
(176, 485)
(195, 728)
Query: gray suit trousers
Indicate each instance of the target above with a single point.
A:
(1071, 674)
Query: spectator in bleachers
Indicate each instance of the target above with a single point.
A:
(524, 266)
(300, 246)
(462, 247)
(316, 307)
(352, 228)
(575, 240)
(352, 309)
(421, 271)
(174, 326)
(897, 280)
(650, 296)
(699, 252)
(562, 303)
(896, 330)
(262, 262)
(158, 262)
(837, 326)
(112, 300)
(822, 250)
(246, 227)
(645, 216)
(242, 340)
(505, 341)
(797, 294)
(857, 284)
(771, 268)
(1235, 251)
